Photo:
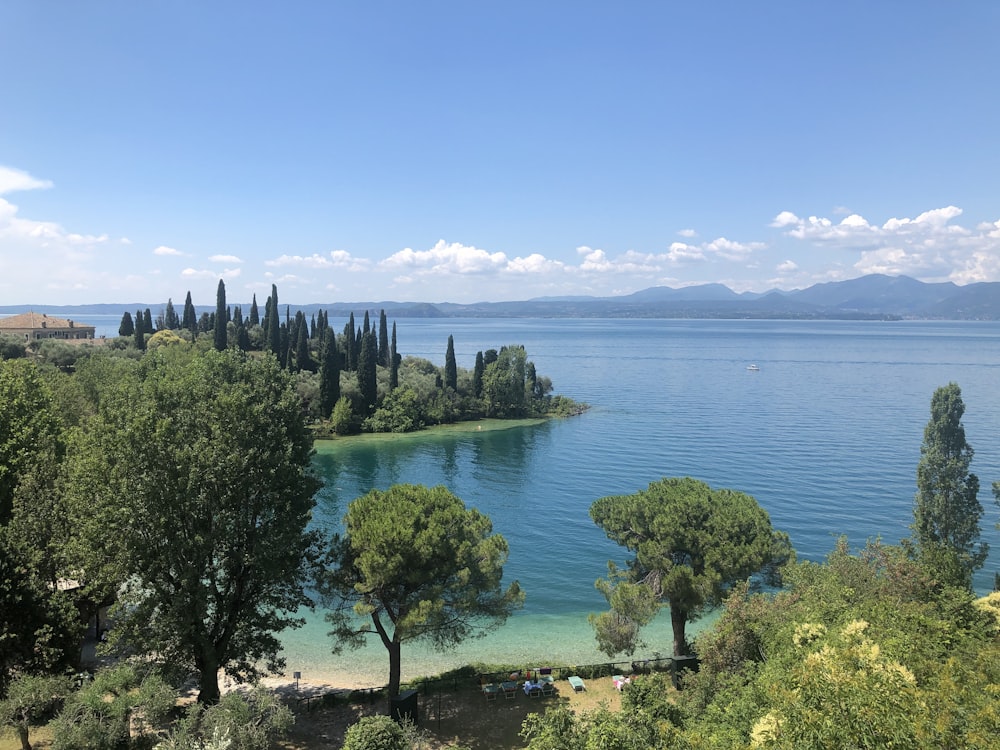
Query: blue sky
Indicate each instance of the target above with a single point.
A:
(467, 151)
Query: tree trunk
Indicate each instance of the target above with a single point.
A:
(22, 732)
(678, 620)
(395, 666)
(208, 681)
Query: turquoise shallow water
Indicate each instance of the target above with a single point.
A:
(826, 435)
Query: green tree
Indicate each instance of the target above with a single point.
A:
(170, 320)
(383, 339)
(450, 367)
(477, 376)
(139, 332)
(120, 703)
(417, 565)
(193, 485)
(28, 427)
(947, 511)
(368, 373)
(690, 544)
(126, 327)
(254, 317)
(190, 317)
(29, 702)
(503, 383)
(251, 721)
(221, 336)
(394, 360)
(273, 324)
(147, 321)
(329, 375)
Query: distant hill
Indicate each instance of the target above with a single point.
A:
(875, 297)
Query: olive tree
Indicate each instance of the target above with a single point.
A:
(413, 564)
(690, 543)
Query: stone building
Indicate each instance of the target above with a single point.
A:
(31, 326)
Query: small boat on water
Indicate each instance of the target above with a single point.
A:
(753, 368)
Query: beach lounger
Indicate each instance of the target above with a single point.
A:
(548, 689)
(577, 683)
(491, 691)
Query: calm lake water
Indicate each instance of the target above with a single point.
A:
(826, 435)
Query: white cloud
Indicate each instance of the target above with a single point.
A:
(730, 250)
(14, 180)
(164, 250)
(225, 259)
(930, 246)
(308, 261)
(788, 266)
(681, 252)
(687, 233)
(446, 258)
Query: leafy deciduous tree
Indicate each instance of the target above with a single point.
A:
(194, 480)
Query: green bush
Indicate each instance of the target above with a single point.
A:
(375, 733)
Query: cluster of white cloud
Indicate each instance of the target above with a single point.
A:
(56, 264)
(930, 247)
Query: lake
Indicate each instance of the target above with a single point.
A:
(826, 435)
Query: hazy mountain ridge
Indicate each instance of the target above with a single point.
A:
(869, 297)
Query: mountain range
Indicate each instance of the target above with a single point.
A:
(875, 296)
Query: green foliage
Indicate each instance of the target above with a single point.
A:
(221, 339)
(126, 327)
(342, 419)
(251, 721)
(375, 733)
(418, 565)
(367, 369)
(559, 728)
(192, 485)
(450, 367)
(105, 713)
(690, 543)
(864, 650)
(399, 412)
(30, 702)
(28, 426)
(504, 383)
(947, 510)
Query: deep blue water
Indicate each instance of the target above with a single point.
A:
(826, 435)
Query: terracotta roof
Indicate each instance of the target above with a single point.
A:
(35, 320)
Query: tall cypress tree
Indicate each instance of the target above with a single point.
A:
(383, 339)
(366, 328)
(302, 356)
(273, 324)
(350, 348)
(238, 315)
(254, 312)
(170, 320)
(147, 321)
(393, 362)
(329, 375)
(947, 511)
(283, 345)
(477, 376)
(139, 332)
(190, 320)
(221, 334)
(450, 368)
(367, 373)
